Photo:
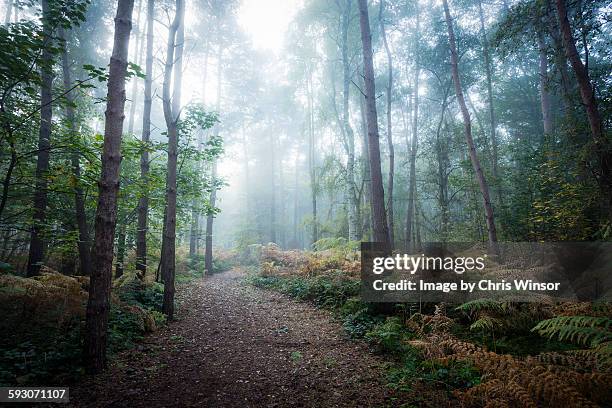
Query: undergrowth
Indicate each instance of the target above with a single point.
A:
(484, 351)
(44, 320)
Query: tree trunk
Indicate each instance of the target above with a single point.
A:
(208, 250)
(410, 211)
(365, 163)
(390, 216)
(79, 196)
(587, 93)
(312, 161)
(377, 197)
(544, 94)
(143, 202)
(352, 203)
(37, 244)
(138, 48)
(492, 118)
(482, 182)
(210, 218)
(98, 305)
(173, 70)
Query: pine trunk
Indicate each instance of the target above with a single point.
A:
(83, 244)
(37, 243)
(98, 305)
(377, 196)
(171, 104)
(143, 202)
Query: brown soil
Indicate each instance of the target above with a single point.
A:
(237, 346)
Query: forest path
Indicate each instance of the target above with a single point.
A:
(234, 345)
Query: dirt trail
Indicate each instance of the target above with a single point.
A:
(237, 346)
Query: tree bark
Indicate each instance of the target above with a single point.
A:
(410, 211)
(312, 160)
(352, 203)
(377, 196)
(37, 243)
(98, 305)
(492, 118)
(390, 215)
(482, 182)
(365, 163)
(210, 218)
(171, 105)
(143, 202)
(138, 48)
(544, 94)
(83, 244)
(587, 94)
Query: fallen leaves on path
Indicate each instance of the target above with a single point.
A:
(237, 346)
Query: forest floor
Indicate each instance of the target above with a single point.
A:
(233, 345)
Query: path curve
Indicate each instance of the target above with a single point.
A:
(234, 345)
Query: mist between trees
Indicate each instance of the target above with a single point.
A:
(390, 121)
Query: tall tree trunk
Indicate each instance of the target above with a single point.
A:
(492, 118)
(312, 161)
(138, 48)
(143, 202)
(37, 244)
(79, 196)
(544, 94)
(390, 216)
(377, 197)
(352, 203)
(482, 182)
(210, 218)
(98, 305)
(587, 94)
(410, 211)
(443, 165)
(365, 162)
(171, 104)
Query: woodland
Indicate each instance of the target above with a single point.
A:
(185, 186)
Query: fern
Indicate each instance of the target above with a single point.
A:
(481, 305)
(584, 330)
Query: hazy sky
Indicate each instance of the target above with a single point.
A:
(266, 21)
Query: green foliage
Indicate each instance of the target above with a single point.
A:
(412, 368)
(584, 330)
(390, 336)
(45, 358)
(124, 329)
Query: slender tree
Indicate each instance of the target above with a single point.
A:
(492, 118)
(410, 210)
(79, 195)
(587, 94)
(98, 304)
(171, 105)
(390, 215)
(143, 202)
(210, 218)
(354, 232)
(37, 243)
(482, 182)
(377, 193)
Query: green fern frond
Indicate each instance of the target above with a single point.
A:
(479, 305)
(487, 323)
(586, 330)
